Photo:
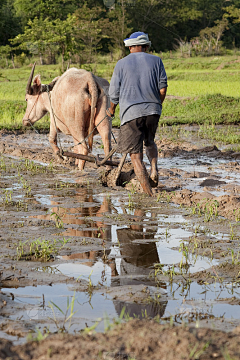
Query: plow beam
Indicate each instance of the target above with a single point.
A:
(97, 160)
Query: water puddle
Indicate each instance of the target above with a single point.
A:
(205, 165)
(189, 304)
(38, 301)
(89, 269)
(203, 301)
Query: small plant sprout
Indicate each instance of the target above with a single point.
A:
(50, 166)
(90, 284)
(37, 335)
(130, 202)
(185, 253)
(158, 269)
(167, 232)
(3, 164)
(232, 233)
(58, 221)
(8, 197)
(133, 189)
(235, 260)
(237, 215)
(170, 272)
(67, 320)
(40, 249)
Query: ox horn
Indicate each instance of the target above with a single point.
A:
(28, 88)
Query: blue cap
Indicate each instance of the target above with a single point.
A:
(135, 35)
(137, 38)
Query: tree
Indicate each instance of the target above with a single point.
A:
(41, 35)
(120, 26)
(163, 20)
(7, 52)
(211, 11)
(33, 39)
(232, 36)
(209, 38)
(91, 27)
(51, 9)
(61, 33)
(9, 23)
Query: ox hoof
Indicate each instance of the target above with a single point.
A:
(153, 181)
(58, 158)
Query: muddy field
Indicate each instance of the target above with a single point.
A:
(79, 254)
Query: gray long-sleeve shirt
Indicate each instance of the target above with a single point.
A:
(135, 85)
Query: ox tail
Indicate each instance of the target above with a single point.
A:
(93, 91)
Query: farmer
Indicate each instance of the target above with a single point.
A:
(139, 85)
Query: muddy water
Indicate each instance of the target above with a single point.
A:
(112, 251)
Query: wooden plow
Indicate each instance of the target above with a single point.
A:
(101, 161)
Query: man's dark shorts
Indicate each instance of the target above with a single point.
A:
(135, 132)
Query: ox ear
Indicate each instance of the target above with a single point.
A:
(37, 84)
(50, 86)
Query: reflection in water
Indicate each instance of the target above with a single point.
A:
(137, 260)
(130, 264)
(133, 251)
(84, 216)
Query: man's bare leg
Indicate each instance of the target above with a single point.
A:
(152, 154)
(141, 172)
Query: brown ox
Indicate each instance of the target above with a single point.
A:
(78, 103)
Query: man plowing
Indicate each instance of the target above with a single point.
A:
(139, 86)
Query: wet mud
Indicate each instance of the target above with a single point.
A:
(73, 239)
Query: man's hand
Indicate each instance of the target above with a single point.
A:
(111, 111)
(163, 93)
(108, 112)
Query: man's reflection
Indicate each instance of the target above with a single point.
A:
(137, 260)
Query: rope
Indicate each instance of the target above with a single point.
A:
(94, 130)
(33, 127)
(35, 102)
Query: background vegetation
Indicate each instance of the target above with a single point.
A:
(198, 41)
(77, 30)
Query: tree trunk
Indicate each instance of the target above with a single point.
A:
(41, 59)
(123, 25)
(13, 62)
(63, 61)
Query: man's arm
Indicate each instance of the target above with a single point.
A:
(114, 91)
(163, 93)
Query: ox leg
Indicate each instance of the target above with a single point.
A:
(105, 127)
(53, 142)
(104, 130)
(81, 149)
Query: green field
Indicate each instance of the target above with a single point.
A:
(203, 90)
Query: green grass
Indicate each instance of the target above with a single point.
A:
(226, 135)
(209, 90)
(195, 88)
(12, 112)
(200, 63)
(215, 108)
